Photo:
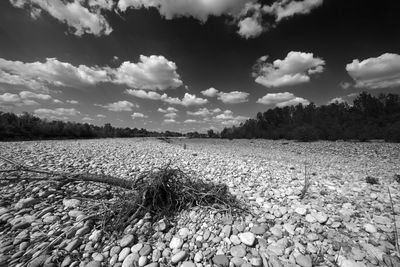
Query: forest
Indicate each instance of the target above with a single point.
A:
(368, 118)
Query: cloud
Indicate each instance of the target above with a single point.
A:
(80, 19)
(287, 8)
(336, 100)
(210, 92)
(250, 27)
(171, 115)
(296, 68)
(138, 115)
(190, 121)
(119, 106)
(87, 118)
(153, 72)
(345, 85)
(203, 112)
(227, 118)
(198, 9)
(74, 102)
(170, 121)
(282, 100)
(24, 98)
(101, 116)
(57, 101)
(144, 94)
(373, 73)
(233, 97)
(58, 113)
(187, 100)
(169, 109)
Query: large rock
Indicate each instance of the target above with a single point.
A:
(179, 256)
(247, 238)
(26, 203)
(176, 243)
(71, 203)
(221, 260)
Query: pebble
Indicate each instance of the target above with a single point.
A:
(179, 256)
(304, 261)
(176, 243)
(126, 240)
(247, 238)
(370, 228)
(221, 260)
(238, 251)
(301, 210)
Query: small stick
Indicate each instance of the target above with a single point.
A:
(396, 235)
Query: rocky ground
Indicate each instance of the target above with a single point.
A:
(342, 221)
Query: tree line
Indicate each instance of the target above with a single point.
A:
(30, 127)
(368, 118)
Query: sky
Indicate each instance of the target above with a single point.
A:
(191, 65)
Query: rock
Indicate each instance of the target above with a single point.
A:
(258, 230)
(358, 254)
(93, 264)
(73, 245)
(176, 243)
(301, 210)
(226, 230)
(289, 228)
(83, 231)
(184, 233)
(179, 256)
(126, 240)
(235, 239)
(256, 261)
(188, 264)
(221, 260)
(115, 250)
(238, 251)
(146, 250)
(71, 203)
(198, 256)
(247, 238)
(321, 217)
(123, 254)
(142, 261)
(348, 263)
(304, 261)
(370, 228)
(153, 264)
(136, 248)
(276, 249)
(237, 261)
(95, 236)
(38, 261)
(26, 203)
(130, 260)
(97, 257)
(310, 218)
(312, 237)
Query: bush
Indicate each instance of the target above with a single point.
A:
(305, 133)
(392, 133)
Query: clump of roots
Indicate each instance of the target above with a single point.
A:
(164, 192)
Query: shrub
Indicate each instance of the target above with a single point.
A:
(305, 133)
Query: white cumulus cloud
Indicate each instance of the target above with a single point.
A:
(250, 27)
(138, 115)
(378, 72)
(210, 92)
(118, 106)
(234, 97)
(282, 100)
(54, 113)
(81, 19)
(296, 68)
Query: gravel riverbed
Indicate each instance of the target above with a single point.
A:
(342, 221)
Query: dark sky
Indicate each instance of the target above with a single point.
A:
(198, 54)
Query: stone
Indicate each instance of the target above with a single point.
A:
(289, 228)
(276, 249)
(301, 210)
(256, 261)
(321, 217)
(38, 261)
(126, 240)
(304, 261)
(97, 257)
(247, 238)
(123, 254)
(258, 230)
(310, 218)
(176, 243)
(312, 237)
(130, 260)
(235, 239)
(238, 251)
(136, 248)
(26, 203)
(370, 228)
(93, 264)
(184, 232)
(198, 256)
(226, 230)
(115, 250)
(71, 203)
(179, 256)
(142, 261)
(153, 264)
(146, 250)
(237, 261)
(221, 260)
(73, 245)
(83, 231)
(188, 264)
(95, 236)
